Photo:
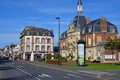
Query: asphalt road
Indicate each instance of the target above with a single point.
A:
(33, 71)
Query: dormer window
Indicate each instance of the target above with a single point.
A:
(83, 30)
(37, 33)
(43, 34)
(64, 35)
(49, 34)
(28, 33)
(112, 29)
(89, 30)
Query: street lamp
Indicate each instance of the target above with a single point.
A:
(58, 18)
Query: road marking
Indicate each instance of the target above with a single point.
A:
(19, 66)
(73, 75)
(45, 75)
(66, 77)
(24, 72)
(93, 72)
(37, 78)
(23, 63)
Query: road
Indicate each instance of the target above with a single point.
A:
(24, 71)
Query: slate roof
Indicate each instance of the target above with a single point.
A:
(79, 2)
(31, 30)
(79, 22)
(64, 35)
(95, 27)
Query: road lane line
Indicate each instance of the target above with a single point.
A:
(66, 77)
(24, 72)
(73, 75)
(60, 69)
(19, 66)
(45, 75)
(37, 78)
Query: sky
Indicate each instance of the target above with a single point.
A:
(16, 14)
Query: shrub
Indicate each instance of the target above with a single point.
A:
(55, 61)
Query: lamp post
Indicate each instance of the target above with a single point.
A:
(58, 18)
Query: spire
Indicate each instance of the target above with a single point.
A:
(79, 2)
(79, 7)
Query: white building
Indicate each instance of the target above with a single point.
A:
(36, 42)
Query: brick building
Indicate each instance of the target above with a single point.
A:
(94, 33)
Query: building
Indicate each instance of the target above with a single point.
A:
(6, 51)
(70, 37)
(16, 51)
(36, 42)
(1, 52)
(94, 33)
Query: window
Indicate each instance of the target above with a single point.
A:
(49, 34)
(28, 41)
(37, 48)
(83, 31)
(48, 48)
(90, 53)
(109, 56)
(48, 40)
(43, 41)
(43, 34)
(98, 38)
(28, 48)
(112, 29)
(37, 40)
(89, 41)
(43, 48)
(98, 53)
(28, 33)
(37, 32)
(64, 35)
(90, 29)
(97, 28)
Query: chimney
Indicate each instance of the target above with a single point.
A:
(87, 20)
(29, 27)
(103, 23)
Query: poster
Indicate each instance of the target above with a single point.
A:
(81, 54)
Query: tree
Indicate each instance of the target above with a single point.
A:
(112, 44)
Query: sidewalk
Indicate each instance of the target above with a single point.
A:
(107, 75)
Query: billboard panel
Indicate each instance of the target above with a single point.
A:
(81, 54)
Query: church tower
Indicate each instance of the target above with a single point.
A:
(79, 7)
(79, 20)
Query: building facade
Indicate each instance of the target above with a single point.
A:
(94, 33)
(36, 42)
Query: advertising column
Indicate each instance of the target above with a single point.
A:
(81, 53)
